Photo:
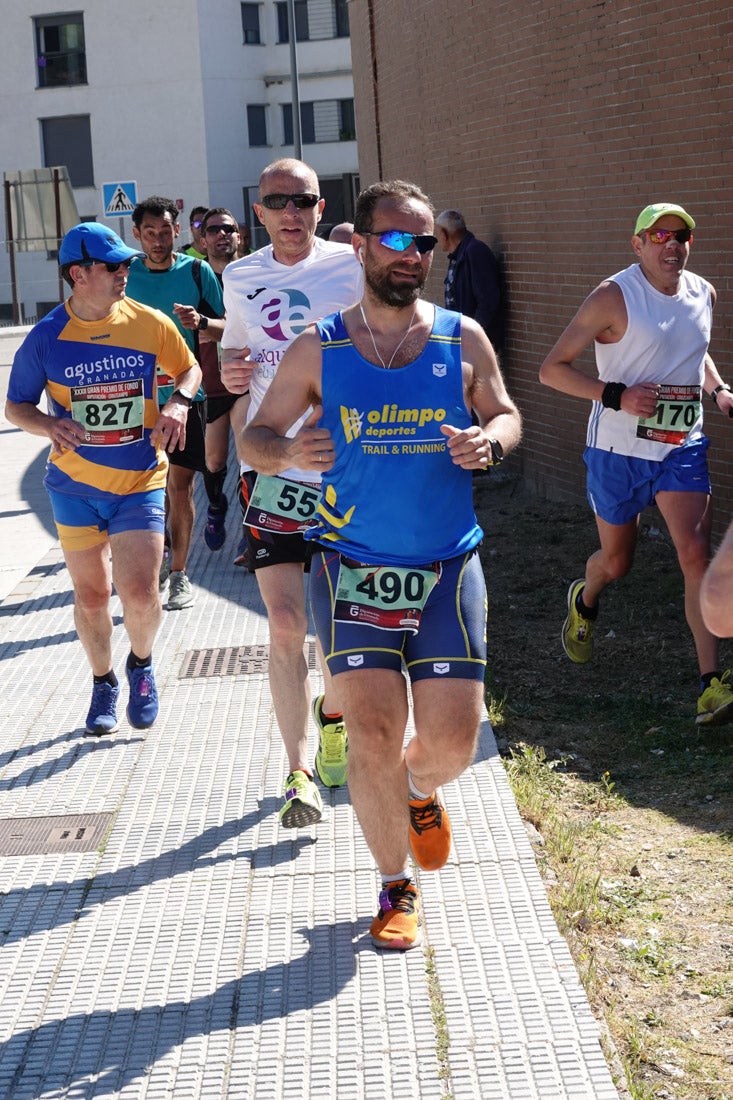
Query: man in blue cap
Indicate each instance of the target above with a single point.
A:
(95, 358)
(650, 325)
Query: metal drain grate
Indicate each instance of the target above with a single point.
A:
(31, 836)
(243, 660)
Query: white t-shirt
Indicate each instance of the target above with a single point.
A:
(665, 342)
(268, 304)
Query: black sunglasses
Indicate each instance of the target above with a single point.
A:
(214, 229)
(397, 241)
(299, 201)
(110, 267)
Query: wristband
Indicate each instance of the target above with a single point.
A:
(611, 396)
(716, 391)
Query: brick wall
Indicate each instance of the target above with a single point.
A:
(550, 126)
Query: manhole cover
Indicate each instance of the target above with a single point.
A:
(243, 660)
(28, 836)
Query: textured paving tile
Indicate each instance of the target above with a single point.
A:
(203, 951)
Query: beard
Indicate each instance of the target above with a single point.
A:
(388, 293)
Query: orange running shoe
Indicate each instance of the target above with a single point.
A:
(429, 832)
(397, 925)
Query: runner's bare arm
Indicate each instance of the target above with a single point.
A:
(716, 591)
(486, 393)
(601, 317)
(65, 434)
(295, 387)
(713, 380)
(170, 427)
(236, 368)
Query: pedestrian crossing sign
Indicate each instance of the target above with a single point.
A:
(120, 199)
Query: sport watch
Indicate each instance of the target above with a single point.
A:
(497, 452)
(185, 395)
(203, 322)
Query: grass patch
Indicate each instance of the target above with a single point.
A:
(633, 804)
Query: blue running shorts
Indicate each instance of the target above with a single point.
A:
(620, 488)
(451, 639)
(83, 522)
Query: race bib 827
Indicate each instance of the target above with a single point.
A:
(111, 413)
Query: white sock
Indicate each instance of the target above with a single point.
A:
(414, 792)
(405, 874)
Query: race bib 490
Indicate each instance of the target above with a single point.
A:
(389, 597)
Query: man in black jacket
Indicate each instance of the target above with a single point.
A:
(472, 282)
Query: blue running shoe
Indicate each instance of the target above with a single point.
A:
(215, 529)
(102, 716)
(142, 709)
(242, 557)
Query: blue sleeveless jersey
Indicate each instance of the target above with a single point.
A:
(394, 496)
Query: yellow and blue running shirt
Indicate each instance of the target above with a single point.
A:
(103, 375)
(393, 496)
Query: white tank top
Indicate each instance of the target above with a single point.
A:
(665, 342)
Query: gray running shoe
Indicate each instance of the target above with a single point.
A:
(180, 593)
(165, 570)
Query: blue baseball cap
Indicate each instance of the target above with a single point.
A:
(94, 241)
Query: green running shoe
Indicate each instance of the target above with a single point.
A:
(332, 748)
(577, 631)
(303, 804)
(715, 705)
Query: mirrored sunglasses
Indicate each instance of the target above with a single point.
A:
(279, 202)
(661, 236)
(398, 241)
(110, 267)
(214, 229)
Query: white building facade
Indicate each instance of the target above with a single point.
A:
(184, 98)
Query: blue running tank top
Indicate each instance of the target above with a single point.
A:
(394, 496)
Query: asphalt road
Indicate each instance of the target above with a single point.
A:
(27, 532)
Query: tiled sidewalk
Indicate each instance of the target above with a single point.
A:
(198, 950)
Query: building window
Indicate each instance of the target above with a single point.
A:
(301, 21)
(60, 54)
(307, 124)
(257, 124)
(321, 120)
(341, 18)
(68, 140)
(347, 120)
(251, 24)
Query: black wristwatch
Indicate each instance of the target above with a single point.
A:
(497, 452)
(203, 323)
(185, 395)
(716, 391)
